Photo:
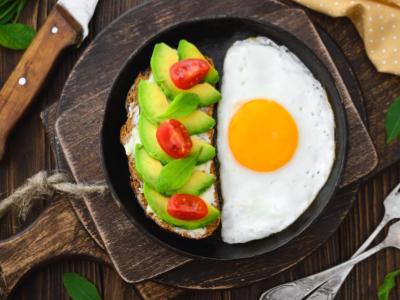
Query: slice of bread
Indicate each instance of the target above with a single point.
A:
(137, 184)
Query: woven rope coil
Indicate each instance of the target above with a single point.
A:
(44, 185)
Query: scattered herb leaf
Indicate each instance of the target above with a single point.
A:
(388, 284)
(392, 121)
(79, 288)
(16, 36)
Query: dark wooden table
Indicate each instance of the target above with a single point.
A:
(29, 151)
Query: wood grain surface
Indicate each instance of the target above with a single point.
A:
(30, 152)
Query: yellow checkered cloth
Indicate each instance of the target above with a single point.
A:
(378, 23)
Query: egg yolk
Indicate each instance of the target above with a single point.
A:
(262, 135)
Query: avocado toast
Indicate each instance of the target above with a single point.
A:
(159, 179)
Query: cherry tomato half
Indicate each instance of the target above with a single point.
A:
(174, 138)
(189, 72)
(187, 207)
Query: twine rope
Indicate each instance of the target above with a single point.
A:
(45, 185)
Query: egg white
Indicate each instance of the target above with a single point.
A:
(257, 204)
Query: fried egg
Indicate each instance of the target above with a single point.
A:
(275, 139)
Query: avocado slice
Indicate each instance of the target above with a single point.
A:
(149, 170)
(153, 103)
(188, 50)
(207, 150)
(159, 204)
(197, 122)
(161, 61)
(147, 134)
(198, 183)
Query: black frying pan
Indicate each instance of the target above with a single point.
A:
(213, 36)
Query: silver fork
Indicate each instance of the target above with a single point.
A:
(325, 285)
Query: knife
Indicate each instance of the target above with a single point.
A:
(66, 25)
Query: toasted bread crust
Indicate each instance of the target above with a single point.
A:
(137, 184)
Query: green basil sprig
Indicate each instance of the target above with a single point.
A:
(176, 173)
(182, 105)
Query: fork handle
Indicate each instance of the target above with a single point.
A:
(59, 31)
(330, 288)
(299, 289)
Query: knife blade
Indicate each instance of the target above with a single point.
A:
(66, 25)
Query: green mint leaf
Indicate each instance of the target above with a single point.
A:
(388, 284)
(392, 121)
(16, 36)
(182, 105)
(79, 288)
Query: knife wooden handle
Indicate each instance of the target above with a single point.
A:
(59, 31)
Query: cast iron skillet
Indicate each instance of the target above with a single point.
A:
(213, 36)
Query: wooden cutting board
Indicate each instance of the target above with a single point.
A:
(80, 149)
